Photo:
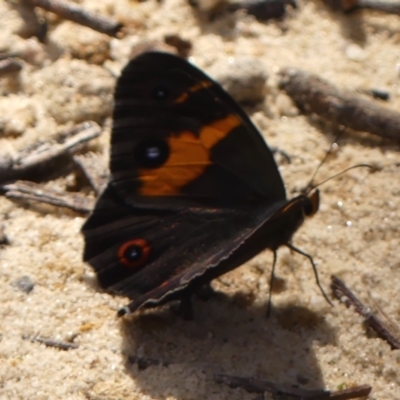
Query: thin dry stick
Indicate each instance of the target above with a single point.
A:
(315, 95)
(42, 156)
(9, 66)
(340, 289)
(95, 170)
(352, 393)
(80, 16)
(51, 342)
(261, 386)
(4, 56)
(26, 190)
(384, 6)
(347, 6)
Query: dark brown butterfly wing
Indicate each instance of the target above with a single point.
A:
(179, 245)
(178, 134)
(193, 187)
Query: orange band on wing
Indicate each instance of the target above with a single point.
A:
(182, 98)
(211, 134)
(195, 88)
(199, 86)
(189, 157)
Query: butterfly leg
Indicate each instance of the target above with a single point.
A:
(271, 283)
(291, 247)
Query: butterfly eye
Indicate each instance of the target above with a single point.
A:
(160, 93)
(312, 204)
(134, 253)
(152, 153)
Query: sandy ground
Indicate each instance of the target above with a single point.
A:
(355, 234)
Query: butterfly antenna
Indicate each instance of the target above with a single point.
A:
(333, 146)
(343, 172)
(311, 186)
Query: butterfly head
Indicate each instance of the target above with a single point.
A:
(311, 203)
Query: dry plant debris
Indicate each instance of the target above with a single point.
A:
(359, 216)
(26, 190)
(280, 391)
(345, 295)
(79, 15)
(36, 159)
(58, 344)
(315, 95)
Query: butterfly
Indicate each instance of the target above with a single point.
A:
(194, 190)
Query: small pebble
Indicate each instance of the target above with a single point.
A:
(243, 77)
(302, 379)
(380, 94)
(25, 284)
(355, 53)
(82, 43)
(17, 114)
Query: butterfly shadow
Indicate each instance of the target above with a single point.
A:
(167, 356)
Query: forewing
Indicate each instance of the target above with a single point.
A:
(208, 148)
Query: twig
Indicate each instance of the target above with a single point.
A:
(51, 342)
(352, 393)
(377, 5)
(261, 386)
(35, 192)
(4, 56)
(29, 161)
(340, 289)
(315, 95)
(9, 66)
(347, 6)
(95, 170)
(80, 16)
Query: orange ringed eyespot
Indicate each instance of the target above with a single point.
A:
(134, 253)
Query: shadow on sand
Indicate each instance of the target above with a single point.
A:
(224, 337)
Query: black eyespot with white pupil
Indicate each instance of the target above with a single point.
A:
(160, 93)
(134, 253)
(151, 153)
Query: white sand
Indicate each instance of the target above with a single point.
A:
(355, 234)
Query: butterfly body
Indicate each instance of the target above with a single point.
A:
(194, 190)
